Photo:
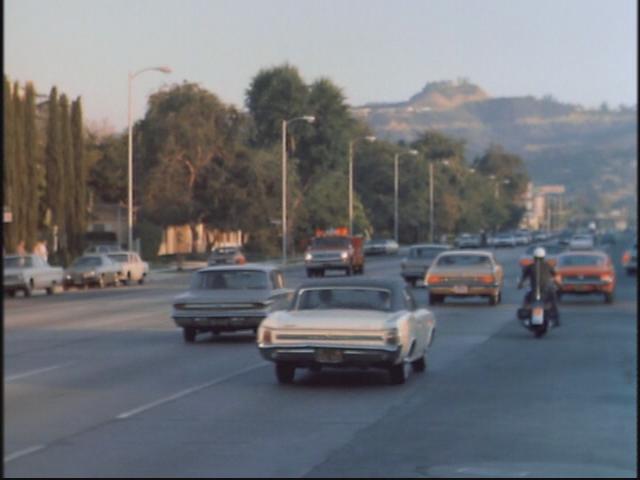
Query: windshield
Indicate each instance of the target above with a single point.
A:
(230, 280)
(581, 261)
(330, 242)
(463, 260)
(425, 252)
(121, 258)
(87, 262)
(349, 298)
(18, 262)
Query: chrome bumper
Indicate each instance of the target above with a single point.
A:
(307, 355)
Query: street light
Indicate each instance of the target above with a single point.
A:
(308, 119)
(163, 69)
(395, 187)
(370, 139)
(431, 205)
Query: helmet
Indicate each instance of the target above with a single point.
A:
(539, 252)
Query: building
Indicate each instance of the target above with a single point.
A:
(544, 207)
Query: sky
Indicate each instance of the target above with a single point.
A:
(580, 51)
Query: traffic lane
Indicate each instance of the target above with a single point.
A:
(563, 405)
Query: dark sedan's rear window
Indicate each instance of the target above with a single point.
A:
(230, 280)
(425, 252)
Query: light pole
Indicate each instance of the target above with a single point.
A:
(163, 69)
(308, 119)
(370, 139)
(431, 205)
(395, 189)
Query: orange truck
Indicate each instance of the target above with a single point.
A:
(334, 249)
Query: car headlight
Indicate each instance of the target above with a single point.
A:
(607, 277)
(308, 257)
(344, 255)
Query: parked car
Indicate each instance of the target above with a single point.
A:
(226, 299)
(587, 273)
(582, 241)
(347, 322)
(468, 240)
(96, 269)
(226, 255)
(552, 251)
(522, 238)
(132, 267)
(29, 273)
(630, 259)
(540, 236)
(504, 240)
(419, 260)
(384, 246)
(460, 273)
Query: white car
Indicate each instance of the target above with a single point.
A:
(581, 241)
(348, 323)
(132, 267)
(28, 273)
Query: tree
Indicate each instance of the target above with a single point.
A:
(21, 177)
(68, 180)
(55, 164)
(34, 167)
(80, 168)
(108, 174)
(9, 167)
(275, 94)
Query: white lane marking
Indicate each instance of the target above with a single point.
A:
(22, 453)
(34, 372)
(188, 391)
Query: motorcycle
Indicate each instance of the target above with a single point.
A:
(536, 313)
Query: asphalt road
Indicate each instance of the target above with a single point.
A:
(100, 383)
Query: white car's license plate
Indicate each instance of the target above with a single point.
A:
(328, 356)
(460, 289)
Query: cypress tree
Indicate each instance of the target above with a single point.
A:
(34, 169)
(8, 163)
(20, 172)
(54, 165)
(69, 180)
(80, 166)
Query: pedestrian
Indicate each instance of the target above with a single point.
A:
(40, 249)
(20, 249)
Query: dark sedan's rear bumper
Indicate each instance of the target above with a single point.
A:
(220, 323)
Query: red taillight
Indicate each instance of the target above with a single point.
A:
(266, 335)
(487, 278)
(431, 279)
(626, 258)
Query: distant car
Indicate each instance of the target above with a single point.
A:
(588, 272)
(419, 260)
(348, 322)
(227, 299)
(540, 236)
(581, 241)
(522, 238)
(381, 246)
(468, 240)
(552, 251)
(630, 259)
(460, 273)
(504, 240)
(132, 267)
(29, 273)
(95, 269)
(226, 255)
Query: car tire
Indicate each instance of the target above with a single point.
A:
(101, 282)
(608, 298)
(189, 334)
(141, 281)
(398, 374)
(28, 290)
(51, 290)
(11, 293)
(419, 365)
(494, 299)
(349, 271)
(435, 299)
(412, 282)
(285, 373)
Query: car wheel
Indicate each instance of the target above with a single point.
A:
(419, 365)
(494, 299)
(285, 373)
(28, 290)
(50, 290)
(141, 281)
(101, 282)
(398, 374)
(435, 299)
(12, 293)
(608, 298)
(412, 282)
(321, 273)
(349, 271)
(189, 334)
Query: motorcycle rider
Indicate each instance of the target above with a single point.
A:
(544, 279)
